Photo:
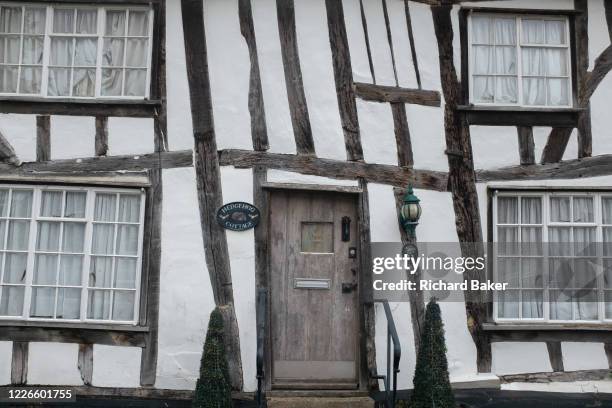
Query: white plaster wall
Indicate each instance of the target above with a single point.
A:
(425, 44)
(379, 45)
(356, 41)
(583, 356)
(514, 358)
(20, 131)
(116, 366)
(426, 126)
(186, 298)
(238, 186)
(229, 67)
(54, 363)
(6, 355)
(401, 44)
(72, 136)
(377, 132)
(130, 136)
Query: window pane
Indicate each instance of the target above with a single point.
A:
(51, 204)
(31, 80)
(123, 305)
(508, 304)
(9, 49)
(48, 236)
(531, 241)
(135, 82)
(12, 301)
(560, 306)
(105, 207)
(115, 23)
(534, 31)
(561, 273)
(18, 235)
(506, 90)
(555, 32)
(32, 53)
(15, 268)
(531, 272)
(86, 52)
(505, 60)
(98, 305)
(484, 59)
(607, 273)
(583, 209)
(87, 21)
(61, 51)
(74, 237)
(607, 210)
(43, 302)
(533, 61)
(585, 273)
(112, 55)
(34, 20)
(608, 305)
(584, 242)
(127, 240)
(607, 239)
(71, 267)
(560, 209)
(103, 236)
(507, 210)
(534, 91)
(481, 30)
(139, 23)
(531, 210)
(10, 20)
(505, 31)
(559, 241)
(532, 304)
(68, 303)
(59, 82)
(75, 205)
(112, 82)
(21, 204)
(136, 55)
(45, 269)
(84, 82)
(4, 196)
(484, 89)
(129, 208)
(8, 79)
(586, 307)
(507, 238)
(100, 272)
(556, 62)
(2, 233)
(508, 270)
(63, 21)
(125, 273)
(558, 92)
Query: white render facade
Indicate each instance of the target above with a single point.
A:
(186, 295)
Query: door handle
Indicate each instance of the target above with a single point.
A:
(348, 287)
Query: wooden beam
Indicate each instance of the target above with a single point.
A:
(511, 116)
(337, 169)
(343, 75)
(43, 138)
(568, 376)
(555, 355)
(383, 93)
(208, 176)
(608, 350)
(608, 11)
(77, 334)
(7, 153)
(167, 160)
(158, 73)
(259, 131)
(293, 77)
(101, 142)
(581, 35)
(390, 39)
(526, 144)
(462, 182)
(85, 362)
(366, 35)
(70, 107)
(402, 135)
(415, 62)
(555, 145)
(19, 363)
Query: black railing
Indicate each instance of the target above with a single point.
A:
(392, 367)
(262, 295)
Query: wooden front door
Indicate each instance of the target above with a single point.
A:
(314, 293)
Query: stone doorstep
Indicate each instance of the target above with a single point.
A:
(320, 402)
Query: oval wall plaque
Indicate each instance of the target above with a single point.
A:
(238, 216)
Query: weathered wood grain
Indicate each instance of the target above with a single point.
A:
(569, 376)
(19, 363)
(415, 61)
(608, 12)
(43, 138)
(208, 177)
(608, 350)
(555, 145)
(115, 337)
(390, 39)
(526, 145)
(84, 107)
(366, 35)
(85, 362)
(555, 354)
(158, 75)
(259, 131)
(7, 153)
(101, 141)
(343, 76)
(375, 173)
(581, 35)
(462, 182)
(298, 107)
(383, 93)
(402, 135)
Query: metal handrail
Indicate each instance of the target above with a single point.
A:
(261, 325)
(392, 337)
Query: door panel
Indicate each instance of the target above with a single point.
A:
(313, 321)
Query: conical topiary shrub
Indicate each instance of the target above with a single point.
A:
(213, 388)
(431, 383)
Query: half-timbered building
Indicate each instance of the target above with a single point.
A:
(126, 124)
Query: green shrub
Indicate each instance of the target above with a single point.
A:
(213, 388)
(431, 383)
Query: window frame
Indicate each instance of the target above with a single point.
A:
(518, 17)
(100, 35)
(546, 195)
(91, 191)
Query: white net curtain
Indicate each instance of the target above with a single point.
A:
(519, 61)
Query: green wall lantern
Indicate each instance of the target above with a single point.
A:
(410, 212)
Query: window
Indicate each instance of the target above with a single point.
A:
(75, 52)
(520, 60)
(70, 254)
(554, 250)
